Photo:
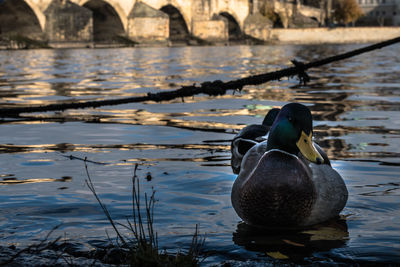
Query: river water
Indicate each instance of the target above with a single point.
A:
(183, 146)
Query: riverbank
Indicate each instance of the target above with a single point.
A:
(340, 35)
(333, 35)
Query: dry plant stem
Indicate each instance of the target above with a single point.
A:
(209, 88)
(196, 244)
(71, 157)
(149, 204)
(144, 240)
(104, 208)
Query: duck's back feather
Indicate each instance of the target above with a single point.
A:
(244, 141)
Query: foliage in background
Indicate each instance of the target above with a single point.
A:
(347, 11)
(267, 10)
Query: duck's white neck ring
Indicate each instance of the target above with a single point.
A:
(282, 151)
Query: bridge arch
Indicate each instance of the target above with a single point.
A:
(178, 27)
(181, 5)
(109, 19)
(39, 14)
(22, 17)
(234, 29)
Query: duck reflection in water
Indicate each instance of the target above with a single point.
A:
(291, 243)
(286, 180)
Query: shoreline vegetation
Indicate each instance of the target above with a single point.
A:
(140, 246)
(305, 36)
(135, 242)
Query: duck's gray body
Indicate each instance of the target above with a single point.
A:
(276, 188)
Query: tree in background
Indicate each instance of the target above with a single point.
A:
(267, 10)
(346, 11)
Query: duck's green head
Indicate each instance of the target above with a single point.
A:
(292, 132)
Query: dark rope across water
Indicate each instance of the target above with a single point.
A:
(214, 88)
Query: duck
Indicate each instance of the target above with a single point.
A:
(250, 136)
(287, 180)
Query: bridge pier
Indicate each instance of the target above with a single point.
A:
(147, 24)
(67, 22)
(257, 26)
(210, 30)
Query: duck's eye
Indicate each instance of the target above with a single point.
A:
(290, 119)
(305, 141)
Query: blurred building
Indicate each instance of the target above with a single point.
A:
(380, 12)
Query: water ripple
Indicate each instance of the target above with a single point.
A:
(184, 146)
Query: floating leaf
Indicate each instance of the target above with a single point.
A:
(362, 145)
(327, 233)
(259, 107)
(277, 255)
(292, 243)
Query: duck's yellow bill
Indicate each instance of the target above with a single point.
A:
(307, 148)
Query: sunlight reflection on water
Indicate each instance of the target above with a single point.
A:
(185, 146)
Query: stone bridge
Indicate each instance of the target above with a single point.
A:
(132, 21)
(104, 20)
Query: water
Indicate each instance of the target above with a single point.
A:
(184, 146)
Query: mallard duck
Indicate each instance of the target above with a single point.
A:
(250, 136)
(287, 180)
